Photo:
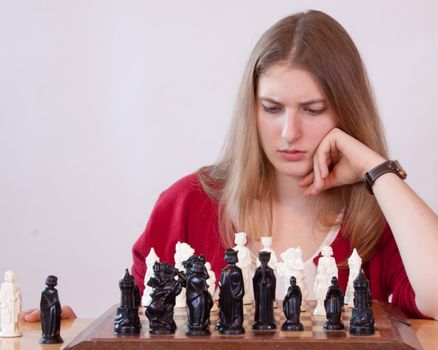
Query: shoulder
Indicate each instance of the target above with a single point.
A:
(184, 191)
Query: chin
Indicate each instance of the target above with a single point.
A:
(297, 172)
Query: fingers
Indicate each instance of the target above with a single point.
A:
(34, 315)
(31, 315)
(67, 313)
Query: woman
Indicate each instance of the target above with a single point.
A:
(304, 135)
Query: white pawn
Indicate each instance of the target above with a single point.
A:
(354, 264)
(285, 267)
(298, 273)
(326, 270)
(183, 251)
(150, 261)
(10, 306)
(322, 283)
(244, 256)
(327, 263)
(211, 283)
(267, 243)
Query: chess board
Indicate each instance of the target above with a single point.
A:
(392, 332)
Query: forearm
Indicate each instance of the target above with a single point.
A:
(415, 229)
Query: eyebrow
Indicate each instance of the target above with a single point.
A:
(305, 103)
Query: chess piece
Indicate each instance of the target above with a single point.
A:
(292, 307)
(166, 283)
(264, 294)
(50, 313)
(285, 267)
(267, 243)
(211, 283)
(298, 273)
(183, 251)
(231, 291)
(127, 320)
(327, 263)
(10, 306)
(362, 320)
(244, 262)
(150, 261)
(354, 264)
(198, 300)
(333, 306)
(325, 271)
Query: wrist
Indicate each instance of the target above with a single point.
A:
(372, 163)
(389, 166)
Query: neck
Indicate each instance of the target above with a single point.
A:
(288, 193)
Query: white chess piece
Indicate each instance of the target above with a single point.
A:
(326, 270)
(354, 264)
(298, 273)
(285, 267)
(327, 263)
(183, 251)
(150, 261)
(244, 256)
(10, 306)
(322, 283)
(211, 283)
(267, 243)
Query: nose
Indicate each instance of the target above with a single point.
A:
(292, 126)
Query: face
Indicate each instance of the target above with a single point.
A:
(293, 115)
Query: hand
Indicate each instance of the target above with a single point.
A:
(34, 315)
(339, 160)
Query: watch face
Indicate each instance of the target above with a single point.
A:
(400, 170)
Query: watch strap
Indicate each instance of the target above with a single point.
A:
(389, 166)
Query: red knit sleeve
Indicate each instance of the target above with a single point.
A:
(394, 276)
(166, 226)
(184, 213)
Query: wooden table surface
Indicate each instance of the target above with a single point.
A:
(426, 331)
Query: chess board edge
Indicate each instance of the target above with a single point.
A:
(99, 335)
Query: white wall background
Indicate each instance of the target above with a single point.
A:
(103, 104)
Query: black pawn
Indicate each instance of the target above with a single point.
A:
(231, 291)
(50, 313)
(264, 293)
(165, 289)
(292, 307)
(199, 301)
(362, 320)
(127, 321)
(333, 303)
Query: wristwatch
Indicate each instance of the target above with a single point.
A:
(390, 166)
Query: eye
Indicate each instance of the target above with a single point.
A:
(272, 109)
(314, 111)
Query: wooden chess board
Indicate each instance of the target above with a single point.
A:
(392, 332)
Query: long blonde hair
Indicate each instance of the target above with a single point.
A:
(242, 178)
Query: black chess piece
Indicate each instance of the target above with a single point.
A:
(231, 292)
(292, 307)
(127, 321)
(198, 299)
(50, 313)
(264, 293)
(333, 303)
(165, 289)
(362, 320)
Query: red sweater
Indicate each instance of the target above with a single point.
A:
(185, 213)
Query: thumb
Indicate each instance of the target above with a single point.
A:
(31, 315)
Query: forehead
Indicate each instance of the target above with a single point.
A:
(282, 82)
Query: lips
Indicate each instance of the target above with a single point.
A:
(292, 154)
